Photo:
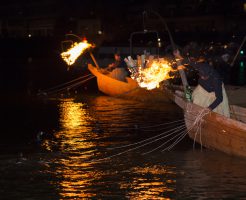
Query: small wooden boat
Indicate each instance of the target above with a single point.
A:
(216, 131)
(128, 89)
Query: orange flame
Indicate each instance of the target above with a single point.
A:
(157, 71)
(71, 55)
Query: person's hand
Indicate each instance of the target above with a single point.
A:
(110, 65)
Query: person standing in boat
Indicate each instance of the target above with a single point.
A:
(210, 92)
(118, 69)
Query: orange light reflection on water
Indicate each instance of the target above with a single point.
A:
(151, 184)
(75, 174)
(80, 176)
(73, 115)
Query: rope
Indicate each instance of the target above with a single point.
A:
(128, 145)
(71, 86)
(179, 137)
(106, 158)
(55, 87)
(145, 127)
(166, 141)
(198, 123)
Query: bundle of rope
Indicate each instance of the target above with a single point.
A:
(198, 123)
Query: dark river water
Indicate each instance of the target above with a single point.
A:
(99, 147)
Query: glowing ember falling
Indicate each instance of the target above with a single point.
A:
(75, 51)
(152, 74)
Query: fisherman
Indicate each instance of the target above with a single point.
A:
(118, 62)
(118, 69)
(210, 92)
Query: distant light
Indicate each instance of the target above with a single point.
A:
(159, 39)
(242, 52)
(241, 64)
(99, 32)
(244, 7)
(29, 35)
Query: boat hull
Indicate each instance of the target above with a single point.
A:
(215, 131)
(128, 89)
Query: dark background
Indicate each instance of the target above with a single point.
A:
(31, 32)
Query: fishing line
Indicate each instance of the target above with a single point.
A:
(55, 87)
(106, 158)
(181, 137)
(156, 136)
(177, 141)
(165, 142)
(198, 123)
(71, 86)
(162, 124)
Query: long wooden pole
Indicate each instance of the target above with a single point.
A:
(182, 75)
(94, 60)
(244, 39)
(180, 68)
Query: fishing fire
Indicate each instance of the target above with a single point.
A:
(149, 72)
(75, 51)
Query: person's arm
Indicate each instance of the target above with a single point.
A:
(218, 93)
(110, 67)
(183, 61)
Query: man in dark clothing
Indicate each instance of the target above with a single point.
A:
(210, 92)
(118, 69)
(210, 80)
(118, 63)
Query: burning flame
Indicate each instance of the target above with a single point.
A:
(150, 76)
(75, 51)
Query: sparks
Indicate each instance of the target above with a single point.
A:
(151, 73)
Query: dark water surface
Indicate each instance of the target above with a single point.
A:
(67, 149)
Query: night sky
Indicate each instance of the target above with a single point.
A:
(192, 20)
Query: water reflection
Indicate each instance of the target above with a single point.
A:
(152, 181)
(75, 144)
(241, 73)
(67, 165)
(81, 144)
(72, 115)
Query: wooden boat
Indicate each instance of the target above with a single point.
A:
(216, 131)
(128, 89)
